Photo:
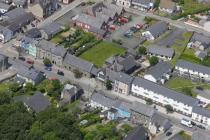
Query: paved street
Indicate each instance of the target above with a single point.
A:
(61, 12)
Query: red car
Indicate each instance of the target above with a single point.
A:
(29, 61)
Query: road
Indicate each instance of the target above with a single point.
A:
(61, 12)
(176, 23)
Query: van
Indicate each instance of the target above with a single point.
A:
(186, 122)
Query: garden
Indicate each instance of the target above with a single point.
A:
(103, 50)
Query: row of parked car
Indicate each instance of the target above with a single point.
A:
(133, 30)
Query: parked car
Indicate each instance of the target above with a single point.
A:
(186, 122)
(168, 133)
(48, 68)
(201, 127)
(59, 72)
(134, 29)
(22, 58)
(29, 61)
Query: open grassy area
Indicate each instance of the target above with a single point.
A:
(179, 46)
(191, 6)
(189, 55)
(185, 136)
(5, 86)
(99, 53)
(184, 85)
(59, 38)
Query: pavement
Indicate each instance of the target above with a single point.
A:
(65, 9)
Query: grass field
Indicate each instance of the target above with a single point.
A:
(99, 53)
(180, 84)
(179, 46)
(189, 55)
(185, 136)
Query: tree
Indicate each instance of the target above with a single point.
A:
(153, 60)
(206, 61)
(29, 87)
(108, 85)
(4, 98)
(14, 87)
(169, 109)
(149, 101)
(187, 91)
(77, 74)
(47, 62)
(157, 3)
(142, 50)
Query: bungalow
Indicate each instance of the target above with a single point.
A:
(192, 71)
(74, 63)
(201, 115)
(199, 42)
(37, 103)
(167, 6)
(123, 3)
(162, 95)
(159, 73)
(143, 5)
(159, 124)
(54, 53)
(155, 30)
(49, 30)
(161, 52)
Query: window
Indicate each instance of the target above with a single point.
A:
(155, 97)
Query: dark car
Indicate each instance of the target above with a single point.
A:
(48, 68)
(60, 73)
(201, 127)
(168, 133)
(22, 58)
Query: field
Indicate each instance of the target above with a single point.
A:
(184, 85)
(189, 55)
(99, 53)
(185, 136)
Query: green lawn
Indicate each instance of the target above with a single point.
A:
(180, 84)
(179, 46)
(185, 136)
(99, 53)
(189, 55)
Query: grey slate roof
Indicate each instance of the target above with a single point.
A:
(159, 70)
(51, 47)
(52, 28)
(103, 100)
(165, 91)
(33, 33)
(142, 109)
(4, 6)
(38, 102)
(119, 76)
(15, 13)
(78, 63)
(204, 40)
(158, 28)
(90, 20)
(122, 105)
(139, 133)
(192, 66)
(169, 52)
(200, 135)
(201, 111)
(160, 121)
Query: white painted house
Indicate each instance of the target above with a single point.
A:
(143, 5)
(159, 73)
(147, 89)
(193, 71)
(201, 115)
(123, 3)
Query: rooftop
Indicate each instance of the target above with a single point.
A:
(158, 28)
(169, 52)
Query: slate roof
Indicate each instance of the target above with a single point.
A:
(204, 40)
(15, 13)
(201, 111)
(19, 2)
(146, 84)
(158, 28)
(51, 47)
(192, 66)
(122, 105)
(142, 109)
(169, 52)
(5, 31)
(4, 6)
(139, 133)
(33, 33)
(103, 100)
(90, 20)
(38, 102)
(119, 76)
(160, 121)
(200, 135)
(52, 28)
(78, 63)
(159, 70)
(143, 2)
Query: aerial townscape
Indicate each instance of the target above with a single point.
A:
(104, 69)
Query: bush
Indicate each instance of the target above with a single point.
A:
(149, 101)
(142, 50)
(77, 74)
(153, 60)
(108, 85)
(47, 62)
(169, 109)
